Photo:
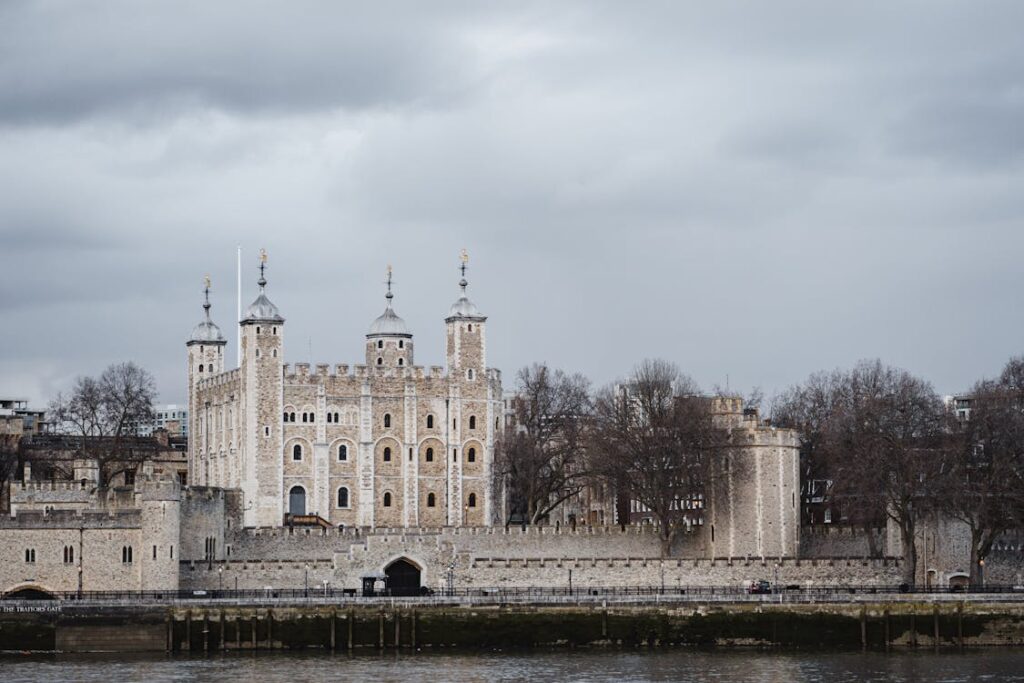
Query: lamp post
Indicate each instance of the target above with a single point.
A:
(305, 581)
(570, 582)
(981, 572)
(220, 580)
(450, 576)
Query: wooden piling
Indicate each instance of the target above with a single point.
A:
(412, 631)
(380, 630)
(206, 632)
(935, 618)
(187, 645)
(864, 628)
(351, 620)
(887, 639)
(333, 617)
(398, 629)
(255, 645)
(960, 625)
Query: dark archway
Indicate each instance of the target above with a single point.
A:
(403, 578)
(297, 500)
(29, 593)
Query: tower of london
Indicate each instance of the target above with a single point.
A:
(383, 443)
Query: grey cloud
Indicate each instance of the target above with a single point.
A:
(756, 191)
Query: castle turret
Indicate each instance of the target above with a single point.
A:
(389, 341)
(205, 359)
(466, 346)
(262, 330)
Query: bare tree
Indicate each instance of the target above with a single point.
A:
(810, 408)
(985, 457)
(11, 450)
(883, 441)
(104, 415)
(654, 437)
(541, 459)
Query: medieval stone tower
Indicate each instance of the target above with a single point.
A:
(383, 444)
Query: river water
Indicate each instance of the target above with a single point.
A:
(657, 665)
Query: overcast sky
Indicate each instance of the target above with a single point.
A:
(752, 190)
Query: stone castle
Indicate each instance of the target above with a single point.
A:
(385, 443)
(321, 477)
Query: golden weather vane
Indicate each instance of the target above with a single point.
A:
(464, 256)
(263, 255)
(206, 281)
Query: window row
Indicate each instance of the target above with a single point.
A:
(68, 554)
(380, 343)
(387, 454)
(308, 418)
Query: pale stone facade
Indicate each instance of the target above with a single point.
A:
(385, 443)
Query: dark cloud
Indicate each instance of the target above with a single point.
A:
(753, 191)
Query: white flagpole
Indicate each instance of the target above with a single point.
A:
(238, 317)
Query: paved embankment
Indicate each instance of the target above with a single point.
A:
(945, 621)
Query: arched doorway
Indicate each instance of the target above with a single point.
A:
(403, 577)
(297, 500)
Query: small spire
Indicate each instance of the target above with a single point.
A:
(389, 296)
(206, 297)
(262, 282)
(464, 258)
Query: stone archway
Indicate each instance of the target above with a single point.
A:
(403, 577)
(297, 500)
(28, 592)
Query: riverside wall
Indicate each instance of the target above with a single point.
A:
(876, 625)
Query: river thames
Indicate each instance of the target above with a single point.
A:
(660, 665)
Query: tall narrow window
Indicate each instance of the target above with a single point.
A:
(380, 361)
(431, 500)
(401, 343)
(342, 453)
(387, 499)
(472, 500)
(296, 452)
(387, 420)
(430, 455)
(401, 361)
(471, 455)
(330, 418)
(30, 555)
(343, 497)
(472, 421)
(430, 421)
(380, 343)
(387, 454)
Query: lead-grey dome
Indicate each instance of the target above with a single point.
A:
(207, 332)
(389, 324)
(463, 308)
(262, 310)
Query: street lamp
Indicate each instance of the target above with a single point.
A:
(220, 580)
(306, 582)
(981, 571)
(450, 575)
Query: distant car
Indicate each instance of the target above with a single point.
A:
(759, 587)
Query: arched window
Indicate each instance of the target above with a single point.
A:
(387, 499)
(257, 330)
(455, 455)
(430, 421)
(69, 554)
(401, 361)
(469, 374)
(275, 330)
(342, 453)
(297, 452)
(430, 455)
(380, 343)
(380, 361)
(336, 421)
(401, 343)
(297, 500)
(126, 554)
(312, 417)
(30, 555)
(200, 367)
(471, 455)
(305, 417)
(472, 500)
(387, 454)
(472, 421)
(330, 418)
(387, 420)
(343, 497)
(291, 417)
(470, 327)
(431, 500)
(286, 417)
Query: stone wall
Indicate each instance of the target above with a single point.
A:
(838, 541)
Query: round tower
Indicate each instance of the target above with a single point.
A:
(389, 341)
(262, 330)
(205, 359)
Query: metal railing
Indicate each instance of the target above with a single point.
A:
(547, 594)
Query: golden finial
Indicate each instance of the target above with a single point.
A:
(464, 256)
(263, 255)
(389, 270)
(206, 281)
